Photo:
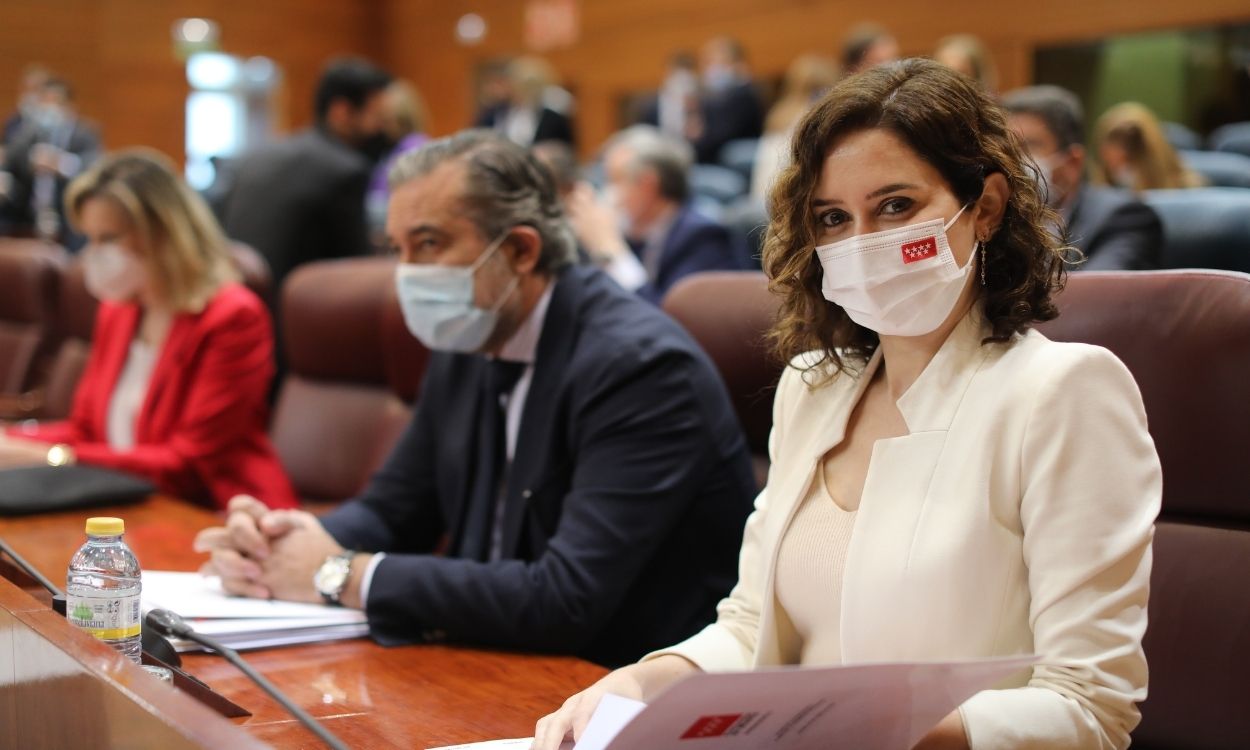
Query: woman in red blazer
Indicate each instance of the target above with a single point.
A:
(181, 362)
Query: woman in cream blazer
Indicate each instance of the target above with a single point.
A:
(995, 491)
(1051, 559)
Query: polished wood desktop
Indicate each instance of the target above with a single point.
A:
(371, 697)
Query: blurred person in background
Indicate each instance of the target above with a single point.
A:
(730, 106)
(561, 161)
(1133, 152)
(1113, 229)
(405, 121)
(533, 107)
(964, 53)
(181, 357)
(648, 237)
(34, 76)
(866, 46)
(807, 79)
(50, 146)
(677, 104)
(303, 198)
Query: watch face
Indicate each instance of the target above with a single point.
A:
(331, 576)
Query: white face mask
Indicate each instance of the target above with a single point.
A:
(111, 273)
(437, 302)
(1046, 179)
(899, 282)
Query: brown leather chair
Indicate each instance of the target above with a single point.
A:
(729, 313)
(75, 322)
(1185, 335)
(341, 407)
(30, 278)
(75, 316)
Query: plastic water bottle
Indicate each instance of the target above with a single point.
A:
(102, 593)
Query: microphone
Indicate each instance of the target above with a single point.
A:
(153, 643)
(171, 625)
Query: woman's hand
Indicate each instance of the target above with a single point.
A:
(947, 735)
(17, 452)
(637, 681)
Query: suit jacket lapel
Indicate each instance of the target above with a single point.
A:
(531, 458)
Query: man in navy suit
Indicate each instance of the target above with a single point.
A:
(573, 450)
(648, 236)
(1113, 229)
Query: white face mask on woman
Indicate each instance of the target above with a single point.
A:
(898, 282)
(111, 273)
(438, 304)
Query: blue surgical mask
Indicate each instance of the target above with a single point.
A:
(437, 302)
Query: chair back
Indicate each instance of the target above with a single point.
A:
(337, 415)
(1233, 138)
(739, 155)
(30, 277)
(1204, 227)
(1220, 168)
(728, 313)
(1185, 336)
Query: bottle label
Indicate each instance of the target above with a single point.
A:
(107, 616)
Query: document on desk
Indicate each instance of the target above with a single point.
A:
(863, 706)
(243, 623)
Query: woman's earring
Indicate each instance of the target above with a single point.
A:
(982, 244)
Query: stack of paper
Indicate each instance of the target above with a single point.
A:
(864, 706)
(245, 623)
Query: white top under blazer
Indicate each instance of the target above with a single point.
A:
(1016, 517)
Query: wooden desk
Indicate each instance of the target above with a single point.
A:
(371, 697)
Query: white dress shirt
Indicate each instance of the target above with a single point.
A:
(128, 395)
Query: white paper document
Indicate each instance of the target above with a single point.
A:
(859, 707)
(242, 623)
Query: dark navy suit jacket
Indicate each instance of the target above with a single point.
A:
(694, 243)
(299, 200)
(1115, 230)
(624, 507)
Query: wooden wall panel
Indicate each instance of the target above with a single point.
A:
(624, 43)
(120, 57)
(119, 54)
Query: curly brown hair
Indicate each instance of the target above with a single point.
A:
(958, 129)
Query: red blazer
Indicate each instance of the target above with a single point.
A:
(201, 433)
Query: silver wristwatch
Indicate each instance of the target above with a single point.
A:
(331, 578)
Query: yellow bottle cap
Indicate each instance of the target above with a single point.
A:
(103, 526)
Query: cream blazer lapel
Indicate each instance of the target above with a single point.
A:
(895, 489)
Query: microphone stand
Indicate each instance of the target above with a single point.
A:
(175, 627)
(29, 569)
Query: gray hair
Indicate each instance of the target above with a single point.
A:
(1057, 107)
(652, 149)
(504, 187)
